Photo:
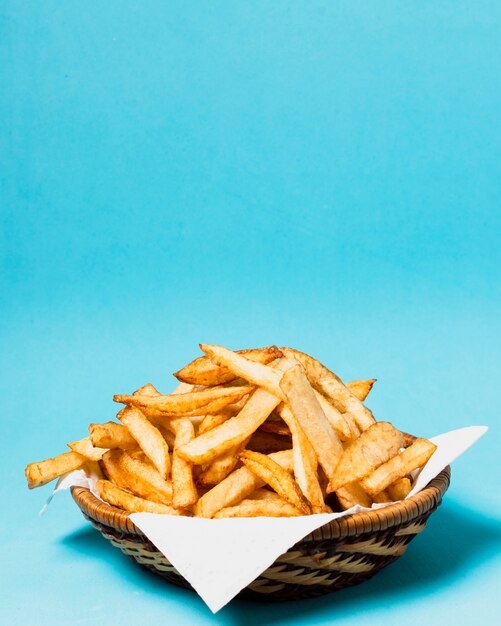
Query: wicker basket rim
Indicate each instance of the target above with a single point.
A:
(374, 520)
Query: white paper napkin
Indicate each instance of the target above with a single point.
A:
(219, 557)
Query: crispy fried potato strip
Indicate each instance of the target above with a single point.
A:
(208, 446)
(111, 435)
(237, 486)
(258, 508)
(256, 373)
(331, 386)
(137, 475)
(361, 388)
(308, 412)
(376, 445)
(44, 472)
(203, 371)
(279, 479)
(124, 500)
(148, 437)
(183, 486)
(404, 463)
(305, 460)
(85, 448)
(202, 402)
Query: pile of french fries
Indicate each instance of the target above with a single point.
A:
(265, 431)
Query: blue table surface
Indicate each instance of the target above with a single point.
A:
(324, 175)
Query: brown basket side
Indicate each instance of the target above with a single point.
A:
(342, 553)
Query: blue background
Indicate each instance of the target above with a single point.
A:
(324, 175)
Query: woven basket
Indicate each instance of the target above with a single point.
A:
(344, 552)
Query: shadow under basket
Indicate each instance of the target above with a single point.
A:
(344, 552)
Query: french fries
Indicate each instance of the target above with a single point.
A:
(148, 437)
(203, 371)
(208, 446)
(416, 455)
(44, 472)
(264, 431)
(118, 497)
(281, 481)
(376, 445)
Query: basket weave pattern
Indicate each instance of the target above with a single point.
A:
(345, 552)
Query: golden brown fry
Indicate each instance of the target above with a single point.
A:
(208, 446)
(264, 493)
(259, 508)
(111, 435)
(183, 486)
(278, 479)
(124, 500)
(399, 490)
(44, 472)
(185, 404)
(203, 371)
(238, 485)
(332, 387)
(148, 437)
(375, 446)
(361, 388)
(404, 463)
(136, 475)
(311, 418)
(337, 420)
(256, 373)
(305, 460)
(86, 449)
(351, 495)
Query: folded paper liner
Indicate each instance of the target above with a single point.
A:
(219, 557)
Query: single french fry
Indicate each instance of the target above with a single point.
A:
(124, 500)
(237, 486)
(399, 490)
(86, 449)
(375, 446)
(278, 479)
(256, 373)
(148, 437)
(311, 418)
(404, 463)
(203, 371)
(208, 446)
(258, 508)
(183, 486)
(361, 388)
(331, 386)
(137, 475)
(44, 472)
(352, 494)
(336, 419)
(185, 404)
(305, 460)
(111, 435)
